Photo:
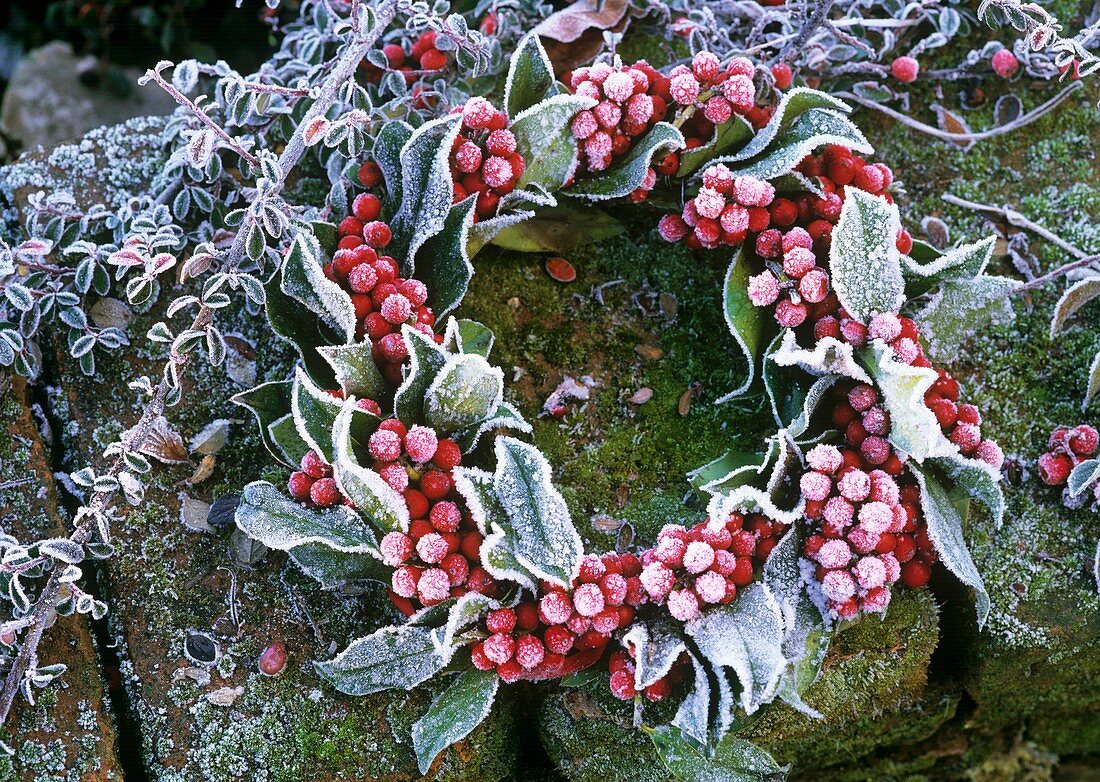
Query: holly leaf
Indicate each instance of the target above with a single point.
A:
(727, 136)
(978, 480)
(767, 484)
(370, 494)
(627, 176)
(314, 413)
(468, 336)
(426, 188)
(1094, 382)
(1076, 296)
(812, 129)
(559, 229)
(710, 698)
(746, 637)
(961, 307)
(293, 322)
(864, 261)
(926, 267)
(793, 104)
(284, 434)
(355, 370)
(829, 356)
(945, 529)
(391, 658)
(270, 402)
(731, 760)
(506, 416)
(750, 325)
(793, 394)
(530, 76)
(467, 390)
(1083, 476)
(426, 359)
(442, 261)
(454, 714)
(304, 280)
(392, 138)
(656, 645)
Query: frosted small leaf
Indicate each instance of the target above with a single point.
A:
(864, 261)
(466, 391)
(454, 714)
(926, 267)
(485, 231)
(745, 636)
(1076, 296)
(792, 393)
(1094, 382)
(443, 262)
(530, 76)
(212, 437)
(269, 402)
(506, 416)
(468, 336)
(498, 557)
(760, 485)
(392, 138)
(544, 136)
(355, 369)
(794, 103)
(390, 658)
(728, 136)
(829, 356)
(1083, 476)
(657, 645)
(960, 308)
(467, 611)
(284, 437)
(476, 487)
(426, 359)
(812, 129)
(627, 175)
(914, 429)
(693, 714)
(980, 481)
(314, 413)
(370, 494)
(944, 520)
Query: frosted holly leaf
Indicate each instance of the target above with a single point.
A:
(627, 175)
(392, 138)
(767, 486)
(1093, 384)
(1076, 296)
(543, 537)
(812, 129)
(656, 644)
(454, 714)
(426, 188)
(269, 403)
(485, 231)
(693, 716)
(944, 516)
(961, 307)
(749, 325)
(745, 636)
(283, 433)
(977, 479)
(559, 229)
(544, 136)
(813, 397)
(476, 487)
(727, 136)
(355, 370)
(914, 429)
(725, 465)
(792, 393)
(314, 413)
(295, 323)
(366, 489)
(864, 261)
(466, 391)
(530, 76)
(442, 261)
(794, 103)
(468, 336)
(332, 545)
(1083, 476)
(926, 267)
(731, 760)
(426, 359)
(805, 627)
(499, 560)
(797, 182)
(392, 658)
(829, 356)
(506, 416)
(466, 612)
(304, 280)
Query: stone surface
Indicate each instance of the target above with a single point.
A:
(68, 734)
(48, 102)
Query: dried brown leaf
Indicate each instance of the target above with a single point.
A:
(649, 352)
(641, 396)
(204, 470)
(163, 443)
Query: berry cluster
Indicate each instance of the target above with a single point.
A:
(621, 666)
(869, 529)
(690, 569)
(484, 159)
(313, 483)
(383, 299)
(724, 211)
(962, 422)
(422, 56)
(563, 629)
(1066, 448)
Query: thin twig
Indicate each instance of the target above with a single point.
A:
(817, 16)
(1014, 218)
(1061, 271)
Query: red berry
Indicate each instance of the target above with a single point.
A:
(1004, 63)
(433, 60)
(395, 55)
(503, 620)
(370, 175)
(324, 493)
(436, 484)
(366, 207)
(299, 485)
(905, 69)
(915, 573)
(447, 455)
(1083, 440)
(1054, 468)
(377, 234)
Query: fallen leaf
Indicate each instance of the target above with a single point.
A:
(212, 437)
(939, 235)
(108, 312)
(162, 443)
(953, 123)
(225, 696)
(622, 494)
(244, 550)
(641, 396)
(606, 524)
(669, 305)
(200, 676)
(193, 514)
(561, 270)
(570, 23)
(240, 361)
(683, 407)
(649, 352)
(204, 470)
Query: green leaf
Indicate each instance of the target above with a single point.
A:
(544, 136)
(326, 235)
(442, 262)
(284, 434)
(765, 483)
(962, 263)
(426, 359)
(945, 529)
(467, 390)
(332, 545)
(750, 326)
(745, 636)
(506, 416)
(426, 188)
(530, 76)
(293, 322)
(793, 394)
(864, 261)
(627, 176)
(269, 402)
(393, 137)
(355, 370)
(656, 644)
(709, 698)
(732, 760)
(315, 413)
(794, 104)
(370, 494)
(392, 658)
(559, 229)
(727, 136)
(469, 336)
(1094, 382)
(1076, 296)
(454, 714)
(812, 129)
(960, 308)
(976, 479)
(914, 429)
(303, 279)
(1084, 475)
